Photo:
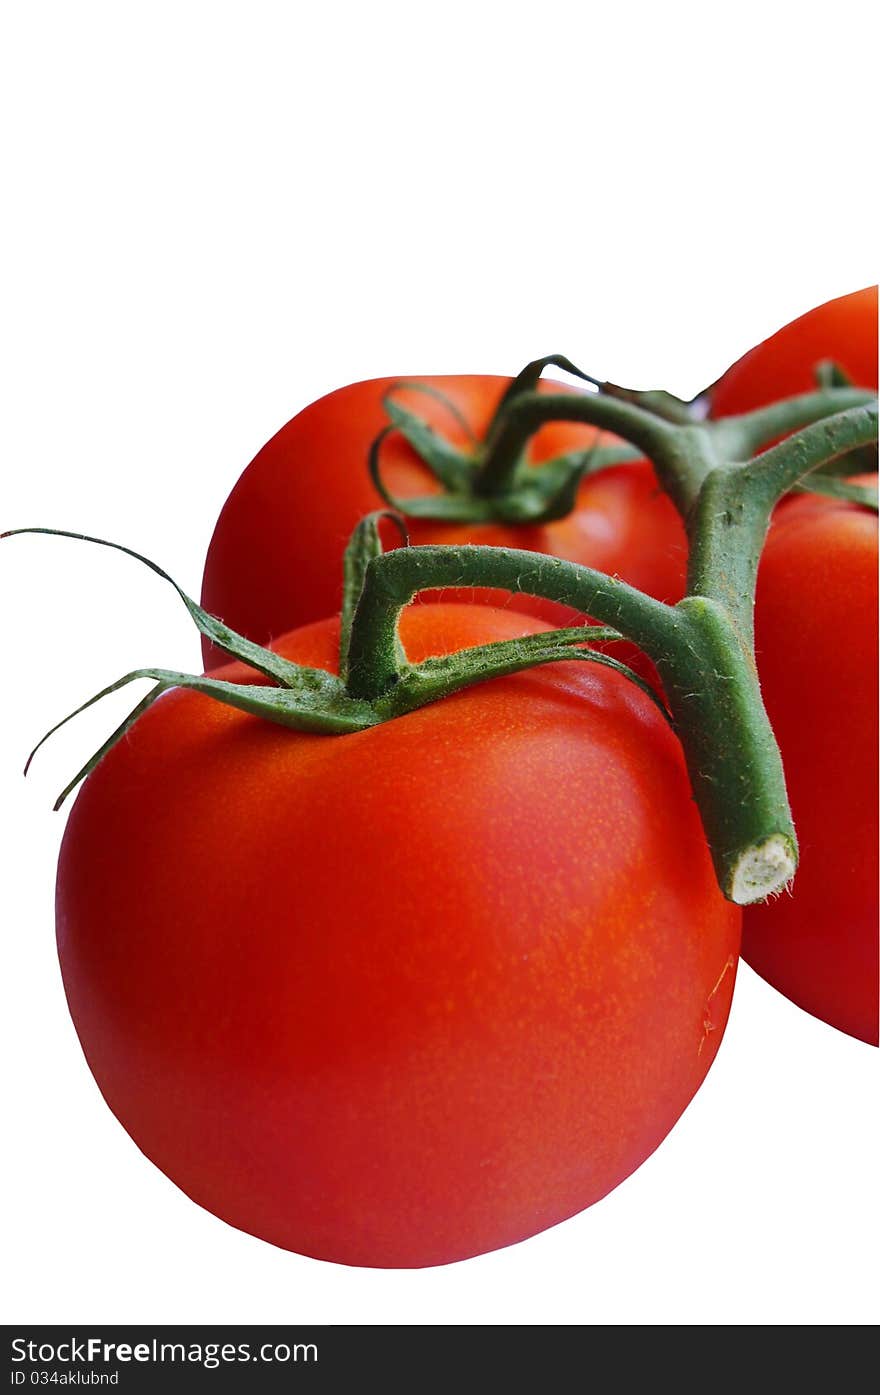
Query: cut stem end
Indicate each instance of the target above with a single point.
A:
(763, 870)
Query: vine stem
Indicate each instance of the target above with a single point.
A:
(711, 686)
(732, 515)
(702, 647)
(394, 579)
(683, 455)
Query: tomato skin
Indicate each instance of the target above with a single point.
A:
(816, 642)
(275, 560)
(401, 997)
(844, 330)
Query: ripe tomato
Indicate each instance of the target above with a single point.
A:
(404, 996)
(816, 640)
(274, 561)
(843, 330)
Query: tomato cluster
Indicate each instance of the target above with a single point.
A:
(403, 996)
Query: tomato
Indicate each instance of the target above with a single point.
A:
(274, 561)
(816, 627)
(399, 997)
(843, 330)
(816, 640)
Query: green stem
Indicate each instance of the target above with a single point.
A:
(493, 483)
(732, 756)
(527, 380)
(683, 453)
(730, 523)
(702, 647)
(526, 414)
(738, 438)
(393, 580)
(535, 494)
(710, 682)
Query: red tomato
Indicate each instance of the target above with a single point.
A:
(844, 330)
(816, 623)
(275, 558)
(404, 996)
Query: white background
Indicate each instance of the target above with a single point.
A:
(217, 212)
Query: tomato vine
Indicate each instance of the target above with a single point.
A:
(702, 646)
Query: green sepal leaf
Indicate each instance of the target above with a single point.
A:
(318, 703)
(456, 507)
(111, 741)
(439, 677)
(448, 464)
(232, 643)
(428, 390)
(539, 493)
(363, 545)
(829, 374)
(857, 462)
(836, 487)
(544, 493)
(532, 495)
